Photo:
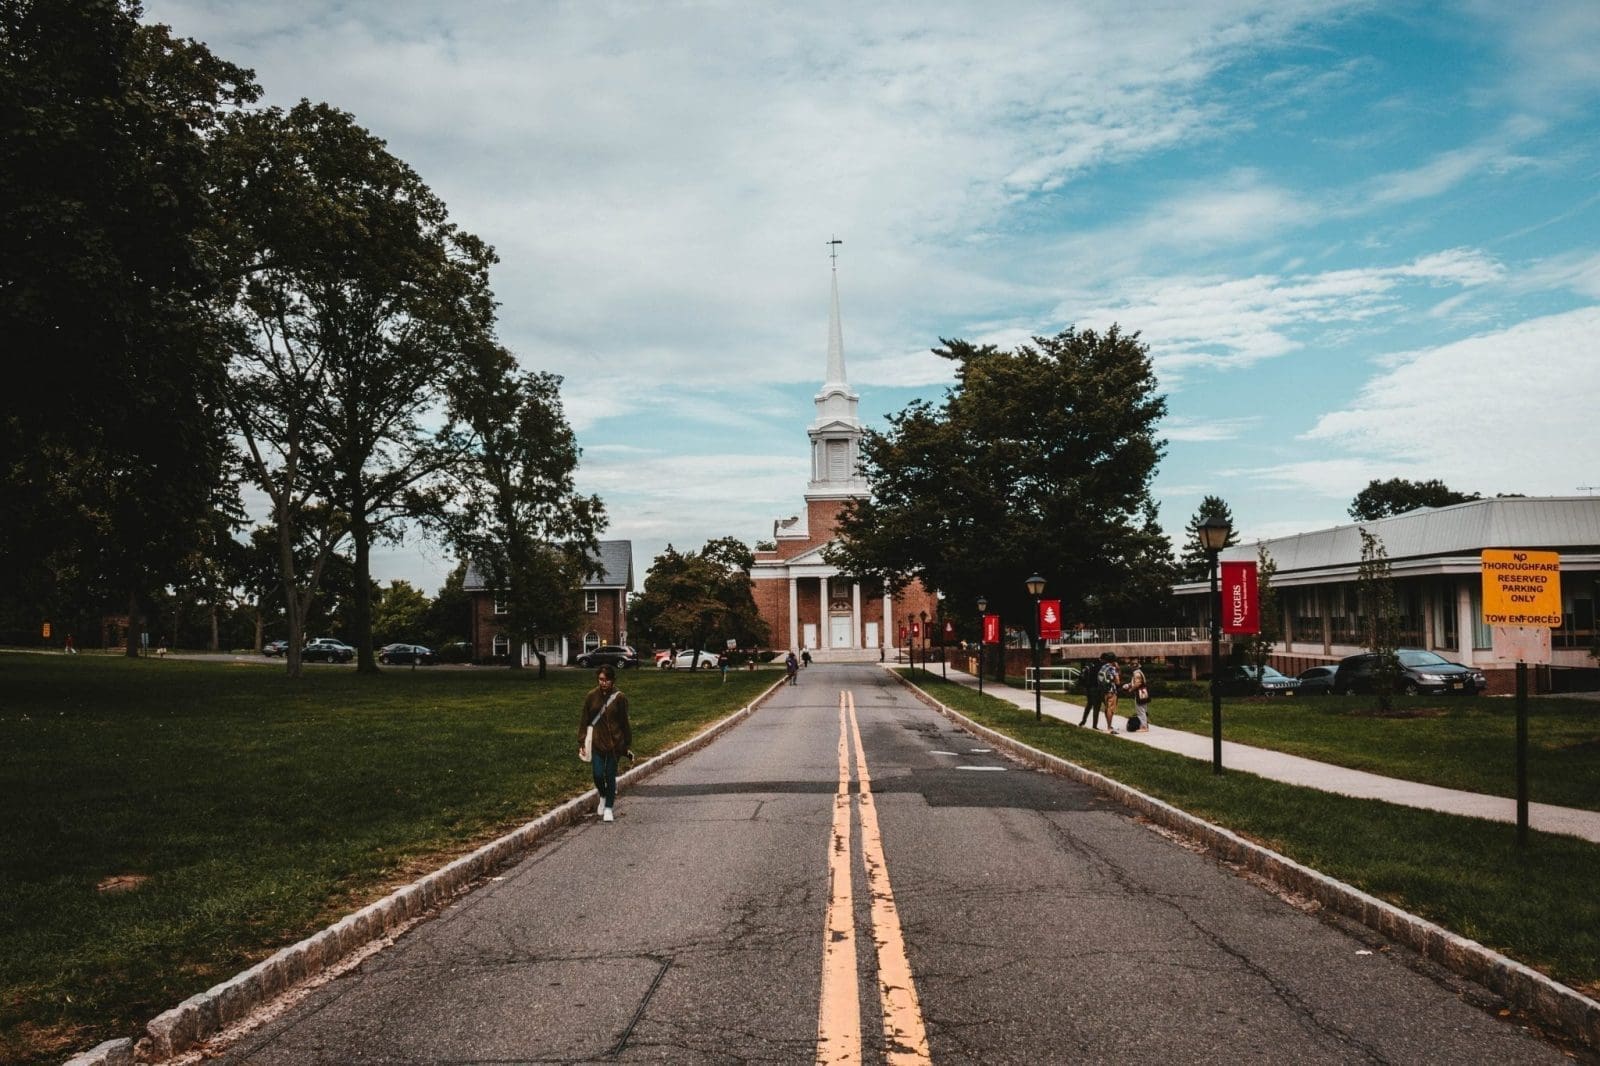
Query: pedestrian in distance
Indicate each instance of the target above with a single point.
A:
(69, 648)
(604, 737)
(1093, 694)
(792, 666)
(1110, 683)
(722, 664)
(1139, 688)
(805, 657)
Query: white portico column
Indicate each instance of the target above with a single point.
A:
(794, 613)
(855, 614)
(824, 615)
(890, 634)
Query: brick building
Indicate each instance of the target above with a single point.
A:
(802, 597)
(605, 612)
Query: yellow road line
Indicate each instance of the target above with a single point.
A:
(905, 1037)
(839, 1012)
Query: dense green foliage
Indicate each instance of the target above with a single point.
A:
(259, 809)
(699, 600)
(114, 458)
(1380, 499)
(1195, 563)
(1039, 460)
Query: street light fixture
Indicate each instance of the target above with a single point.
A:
(1214, 533)
(983, 649)
(1036, 589)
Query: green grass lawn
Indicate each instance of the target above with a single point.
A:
(254, 810)
(1465, 743)
(1537, 905)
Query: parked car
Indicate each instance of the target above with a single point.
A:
(1318, 681)
(275, 647)
(457, 651)
(1418, 672)
(327, 650)
(1242, 681)
(619, 655)
(399, 654)
(686, 661)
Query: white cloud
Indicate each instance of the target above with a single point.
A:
(1509, 411)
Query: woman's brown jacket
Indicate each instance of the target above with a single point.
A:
(612, 733)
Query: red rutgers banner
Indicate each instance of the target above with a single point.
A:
(991, 629)
(949, 632)
(1241, 610)
(903, 634)
(1049, 619)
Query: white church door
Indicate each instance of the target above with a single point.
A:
(872, 635)
(839, 632)
(811, 636)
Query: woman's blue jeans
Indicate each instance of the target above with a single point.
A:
(605, 776)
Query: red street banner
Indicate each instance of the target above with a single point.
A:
(949, 631)
(916, 630)
(1241, 609)
(1049, 619)
(991, 629)
(903, 634)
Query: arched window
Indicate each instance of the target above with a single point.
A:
(591, 640)
(502, 644)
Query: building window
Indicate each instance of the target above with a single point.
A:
(499, 604)
(591, 640)
(502, 644)
(591, 602)
(547, 645)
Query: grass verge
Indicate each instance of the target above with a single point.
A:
(1536, 905)
(242, 811)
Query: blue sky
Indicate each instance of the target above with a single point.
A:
(1362, 240)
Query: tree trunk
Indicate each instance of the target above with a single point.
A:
(366, 662)
(134, 629)
(261, 630)
(540, 656)
(216, 636)
(291, 655)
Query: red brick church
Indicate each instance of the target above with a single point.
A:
(802, 597)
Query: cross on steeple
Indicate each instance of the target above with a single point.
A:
(833, 251)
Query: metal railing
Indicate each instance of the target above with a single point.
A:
(1140, 635)
(1050, 678)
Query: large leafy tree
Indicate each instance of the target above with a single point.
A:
(1039, 459)
(1380, 499)
(700, 599)
(112, 447)
(1259, 646)
(1195, 565)
(359, 300)
(509, 503)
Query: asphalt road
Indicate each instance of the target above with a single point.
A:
(1039, 924)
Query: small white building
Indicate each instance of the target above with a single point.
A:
(1435, 558)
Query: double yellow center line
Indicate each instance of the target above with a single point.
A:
(839, 1013)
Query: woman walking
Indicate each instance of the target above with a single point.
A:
(604, 736)
(792, 666)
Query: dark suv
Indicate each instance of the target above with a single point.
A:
(1417, 671)
(619, 655)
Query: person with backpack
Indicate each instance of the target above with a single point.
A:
(604, 736)
(1110, 682)
(1093, 694)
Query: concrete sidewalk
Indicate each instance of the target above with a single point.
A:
(1294, 770)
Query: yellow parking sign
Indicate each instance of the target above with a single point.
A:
(1521, 588)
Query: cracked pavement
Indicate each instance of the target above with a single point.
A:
(1043, 923)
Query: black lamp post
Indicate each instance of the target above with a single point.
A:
(924, 616)
(944, 652)
(911, 647)
(983, 649)
(1214, 533)
(1036, 589)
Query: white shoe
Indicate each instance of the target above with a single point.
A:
(600, 808)
(606, 817)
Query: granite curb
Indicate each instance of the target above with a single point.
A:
(1549, 1001)
(208, 1013)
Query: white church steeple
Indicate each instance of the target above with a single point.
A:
(836, 431)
